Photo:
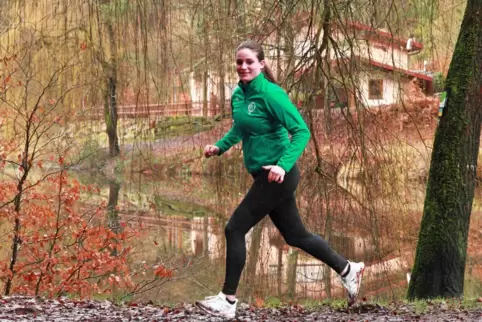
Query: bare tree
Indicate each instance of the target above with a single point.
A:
(34, 115)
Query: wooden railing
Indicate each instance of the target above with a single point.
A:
(158, 110)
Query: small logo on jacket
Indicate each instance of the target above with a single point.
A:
(251, 107)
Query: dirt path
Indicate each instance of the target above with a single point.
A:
(31, 309)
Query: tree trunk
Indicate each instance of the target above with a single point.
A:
(240, 9)
(205, 93)
(442, 245)
(17, 240)
(110, 105)
(327, 93)
(224, 12)
(326, 268)
(15, 247)
(110, 115)
(205, 74)
(222, 92)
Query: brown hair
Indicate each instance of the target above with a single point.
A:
(258, 50)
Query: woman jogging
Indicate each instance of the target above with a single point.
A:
(263, 117)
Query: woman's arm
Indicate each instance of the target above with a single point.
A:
(232, 137)
(283, 109)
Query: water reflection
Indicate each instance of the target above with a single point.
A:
(271, 260)
(112, 211)
(185, 217)
(113, 221)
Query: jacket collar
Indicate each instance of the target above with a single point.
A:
(253, 85)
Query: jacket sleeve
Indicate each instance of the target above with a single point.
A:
(282, 109)
(231, 137)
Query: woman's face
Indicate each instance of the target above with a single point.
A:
(247, 65)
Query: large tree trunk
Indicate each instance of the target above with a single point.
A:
(442, 245)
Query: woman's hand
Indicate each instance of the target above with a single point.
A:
(210, 150)
(276, 174)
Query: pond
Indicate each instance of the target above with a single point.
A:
(183, 216)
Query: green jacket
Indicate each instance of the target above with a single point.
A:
(263, 116)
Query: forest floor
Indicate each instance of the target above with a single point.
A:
(19, 308)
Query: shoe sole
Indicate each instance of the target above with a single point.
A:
(199, 305)
(352, 300)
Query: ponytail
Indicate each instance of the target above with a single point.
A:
(268, 74)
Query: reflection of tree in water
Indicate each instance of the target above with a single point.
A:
(201, 245)
(277, 241)
(112, 212)
(252, 258)
(205, 236)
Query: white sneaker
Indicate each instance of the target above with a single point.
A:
(218, 305)
(352, 281)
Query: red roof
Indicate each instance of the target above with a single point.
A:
(395, 69)
(381, 34)
(391, 68)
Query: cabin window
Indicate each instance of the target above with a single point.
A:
(380, 47)
(338, 97)
(375, 89)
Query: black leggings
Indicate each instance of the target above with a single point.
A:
(277, 200)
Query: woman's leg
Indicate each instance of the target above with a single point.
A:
(260, 200)
(287, 219)
(242, 220)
